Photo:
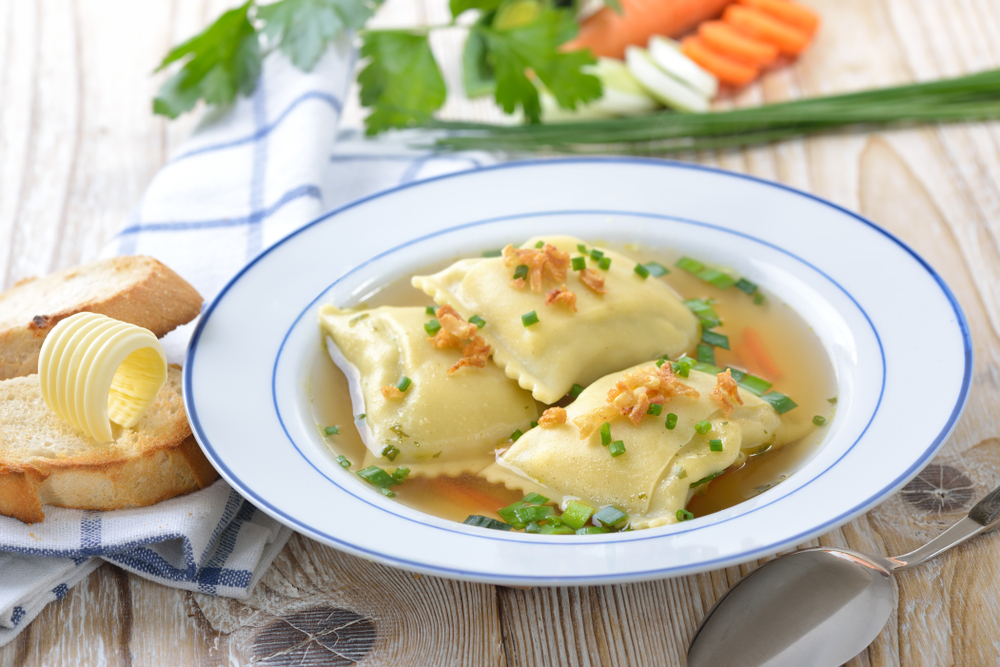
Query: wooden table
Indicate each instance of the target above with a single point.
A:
(78, 145)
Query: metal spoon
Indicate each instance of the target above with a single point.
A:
(819, 606)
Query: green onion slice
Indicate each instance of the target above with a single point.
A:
(754, 384)
(430, 310)
(616, 448)
(654, 409)
(576, 390)
(758, 299)
(515, 435)
(521, 271)
(604, 263)
(579, 263)
(432, 327)
(716, 339)
(703, 427)
(780, 402)
(591, 530)
(377, 477)
(534, 499)
(819, 420)
(671, 421)
(582, 248)
(717, 278)
(577, 514)
(332, 430)
(549, 529)
(529, 318)
(390, 452)
(715, 445)
(596, 254)
(656, 269)
(610, 516)
(682, 515)
(745, 285)
(540, 245)
(342, 460)
(486, 522)
(605, 434)
(478, 321)
(641, 271)
(399, 474)
(689, 265)
(706, 480)
(706, 354)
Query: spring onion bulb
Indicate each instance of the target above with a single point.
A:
(662, 86)
(667, 54)
(623, 96)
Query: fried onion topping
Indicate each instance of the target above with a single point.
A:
(632, 396)
(593, 279)
(562, 296)
(392, 391)
(552, 417)
(547, 261)
(457, 333)
(726, 389)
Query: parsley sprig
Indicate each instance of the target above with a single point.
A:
(511, 48)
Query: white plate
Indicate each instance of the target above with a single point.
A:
(883, 315)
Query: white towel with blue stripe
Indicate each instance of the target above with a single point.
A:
(247, 177)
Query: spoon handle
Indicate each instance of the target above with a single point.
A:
(981, 518)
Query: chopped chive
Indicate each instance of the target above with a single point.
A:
(604, 263)
(738, 375)
(758, 299)
(717, 278)
(529, 318)
(582, 248)
(596, 255)
(361, 416)
(616, 448)
(642, 271)
(704, 311)
(534, 499)
(656, 269)
(388, 493)
(515, 435)
(549, 529)
(819, 420)
(399, 474)
(390, 452)
(716, 339)
(591, 530)
(430, 310)
(605, 434)
(404, 383)
(832, 401)
(432, 327)
(671, 421)
(689, 265)
(540, 245)
(780, 402)
(610, 515)
(654, 409)
(715, 445)
(706, 480)
(660, 362)
(706, 354)
(703, 427)
(576, 390)
(521, 271)
(682, 515)
(493, 253)
(579, 263)
(754, 384)
(478, 321)
(332, 430)
(377, 477)
(576, 514)
(533, 527)
(707, 368)
(533, 424)
(683, 366)
(507, 513)
(342, 460)
(486, 522)
(530, 513)
(745, 285)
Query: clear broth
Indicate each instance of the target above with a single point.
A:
(798, 367)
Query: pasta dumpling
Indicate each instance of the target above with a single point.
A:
(552, 325)
(653, 479)
(440, 422)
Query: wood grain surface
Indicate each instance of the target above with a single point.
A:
(78, 145)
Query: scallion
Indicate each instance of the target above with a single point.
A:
(529, 318)
(533, 527)
(342, 460)
(486, 522)
(605, 434)
(576, 390)
(530, 513)
(430, 310)
(591, 530)
(703, 427)
(534, 499)
(388, 493)
(706, 354)
(706, 480)
(399, 474)
(684, 515)
(432, 327)
(604, 263)
(689, 265)
(616, 448)
(579, 263)
(671, 421)
(654, 409)
(779, 402)
(540, 245)
(656, 269)
(332, 430)
(716, 339)
(582, 248)
(390, 452)
(819, 420)
(707, 368)
(521, 271)
(515, 435)
(478, 321)
(596, 254)
(715, 445)
(641, 271)
(717, 278)
(746, 286)
(610, 516)
(758, 299)
(377, 477)
(576, 514)
(549, 529)
(404, 383)
(754, 384)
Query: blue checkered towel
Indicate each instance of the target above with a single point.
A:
(247, 177)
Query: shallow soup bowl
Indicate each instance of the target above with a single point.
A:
(878, 309)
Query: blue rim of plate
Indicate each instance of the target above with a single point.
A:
(858, 509)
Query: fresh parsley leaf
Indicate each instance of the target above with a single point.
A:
(535, 46)
(225, 59)
(460, 6)
(402, 82)
(304, 28)
(478, 77)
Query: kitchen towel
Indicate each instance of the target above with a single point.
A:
(249, 175)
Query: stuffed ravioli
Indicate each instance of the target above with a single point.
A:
(557, 317)
(423, 396)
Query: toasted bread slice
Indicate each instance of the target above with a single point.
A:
(45, 461)
(138, 290)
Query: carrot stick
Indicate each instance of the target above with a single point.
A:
(756, 23)
(723, 67)
(728, 41)
(463, 494)
(756, 347)
(607, 33)
(788, 12)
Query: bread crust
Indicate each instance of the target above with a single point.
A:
(149, 295)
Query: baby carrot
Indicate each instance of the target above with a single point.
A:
(463, 494)
(787, 11)
(756, 347)
(724, 68)
(757, 24)
(728, 41)
(607, 33)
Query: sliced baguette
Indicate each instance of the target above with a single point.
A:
(45, 461)
(138, 290)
